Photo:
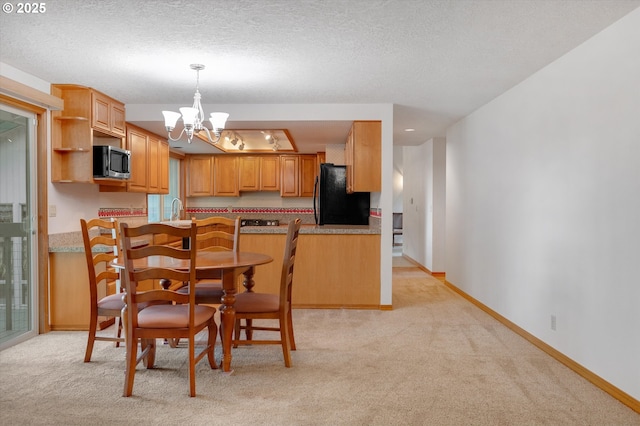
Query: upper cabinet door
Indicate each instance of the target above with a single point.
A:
(137, 144)
(118, 123)
(108, 115)
(249, 173)
(163, 158)
(101, 112)
(290, 178)
(153, 164)
(307, 175)
(270, 173)
(225, 172)
(363, 157)
(200, 175)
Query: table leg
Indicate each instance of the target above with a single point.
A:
(227, 317)
(248, 282)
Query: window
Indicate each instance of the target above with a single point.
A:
(159, 205)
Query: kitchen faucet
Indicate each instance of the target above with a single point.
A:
(176, 208)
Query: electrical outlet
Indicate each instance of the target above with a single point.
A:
(553, 322)
(52, 210)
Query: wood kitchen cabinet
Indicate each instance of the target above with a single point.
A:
(289, 175)
(212, 175)
(332, 270)
(89, 118)
(249, 173)
(108, 114)
(157, 165)
(163, 167)
(149, 161)
(308, 174)
(69, 292)
(298, 173)
(363, 157)
(321, 157)
(225, 176)
(200, 175)
(137, 144)
(270, 173)
(259, 173)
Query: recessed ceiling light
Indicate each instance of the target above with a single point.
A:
(409, 130)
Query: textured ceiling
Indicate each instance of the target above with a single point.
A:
(436, 61)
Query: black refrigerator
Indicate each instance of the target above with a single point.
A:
(331, 203)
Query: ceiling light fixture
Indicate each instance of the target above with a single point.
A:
(272, 139)
(193, 117)
(269, 136)
(255, 140)
(233, 138)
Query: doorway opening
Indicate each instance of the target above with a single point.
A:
(18, 218)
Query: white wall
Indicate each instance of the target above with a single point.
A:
(543, 204)
(398, 178)
(416, 160)
(424, 203)
(436, 208)
(74, 201)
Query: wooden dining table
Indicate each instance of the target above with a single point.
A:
(208, 263)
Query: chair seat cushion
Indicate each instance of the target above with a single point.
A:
(112, 303)
(206, 291)
(257, 302)
(173, 316)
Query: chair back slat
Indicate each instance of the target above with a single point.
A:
(218, 233)
(108, 276)
(160, 250)
(160, 273)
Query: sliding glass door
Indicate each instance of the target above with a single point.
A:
(18, 280)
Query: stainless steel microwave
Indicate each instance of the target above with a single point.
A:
(111, 162)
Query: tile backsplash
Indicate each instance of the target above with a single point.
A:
(282, 214)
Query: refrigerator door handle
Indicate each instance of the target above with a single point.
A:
(315, 193)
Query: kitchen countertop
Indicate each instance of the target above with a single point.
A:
(71, 242)
(314, 229)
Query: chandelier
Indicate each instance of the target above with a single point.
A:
(193, 117)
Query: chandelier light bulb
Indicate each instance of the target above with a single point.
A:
(170, 119)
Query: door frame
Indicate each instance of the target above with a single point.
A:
(42, 228)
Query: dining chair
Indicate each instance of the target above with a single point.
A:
(101, 240)
(175, 315)
(251, 306)
(214, 233)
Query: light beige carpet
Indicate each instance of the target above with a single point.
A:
(433, 360)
